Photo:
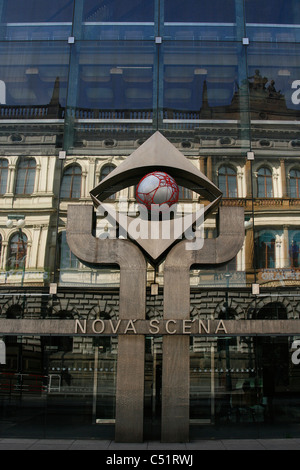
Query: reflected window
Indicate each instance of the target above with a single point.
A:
(294, 248)
(105, 170)
(295, 183)
(67, 260)
(227, 181)
(17, 251)
(265, 249)
(3, 175)
(25, 176)
(185, 193)
(264, 182)
(71, 183)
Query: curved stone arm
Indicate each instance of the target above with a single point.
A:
(123, 253)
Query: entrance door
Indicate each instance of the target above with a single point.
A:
(202, 382)
(104, 383)
(152, 392)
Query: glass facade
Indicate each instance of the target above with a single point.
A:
(83, 84)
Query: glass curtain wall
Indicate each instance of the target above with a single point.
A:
(98, 77)
(65, 380)
(243, 386)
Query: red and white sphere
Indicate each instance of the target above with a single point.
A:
(157, 188)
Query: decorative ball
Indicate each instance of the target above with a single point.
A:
(157, 188)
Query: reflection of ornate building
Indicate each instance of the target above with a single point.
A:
(82, 86)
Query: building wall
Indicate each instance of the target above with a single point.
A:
(82, 86)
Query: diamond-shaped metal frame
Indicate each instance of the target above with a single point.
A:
(157, 153)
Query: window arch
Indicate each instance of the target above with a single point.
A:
(71, 182)
(14, 311)
(227, 181)
(3, 175)
(17, 251)
(26, 176)
(105, 170)
(264, 182)
(272, 311)
(295, 183)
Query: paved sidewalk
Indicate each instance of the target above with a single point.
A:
(111, 446)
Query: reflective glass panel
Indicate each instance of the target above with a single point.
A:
(114, 80)
(111, 89)
(273, 20)
(58, 386)
(202, 83)
(33, 80)
(116, 19)
(36, 19)
(273, 72)
(275, 190)
(206, 21)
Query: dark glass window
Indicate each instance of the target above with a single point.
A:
(37, 19)
(196, 87)
(264, 182)
(17, 251)
(185, 193)
(118, 10)
(67, 260)
(273, 75)
(32, 11)
(25, 176)
(272, 11)
(116, 19)
(265, 249)
(71, 183)
(205, 20)
(294, 248)
(271, 20)
(105, 170)
(119, 87)
(295, 183)
(272, 311)
(3, 175)
(227, 181)
(201, 12)
(33, 79)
